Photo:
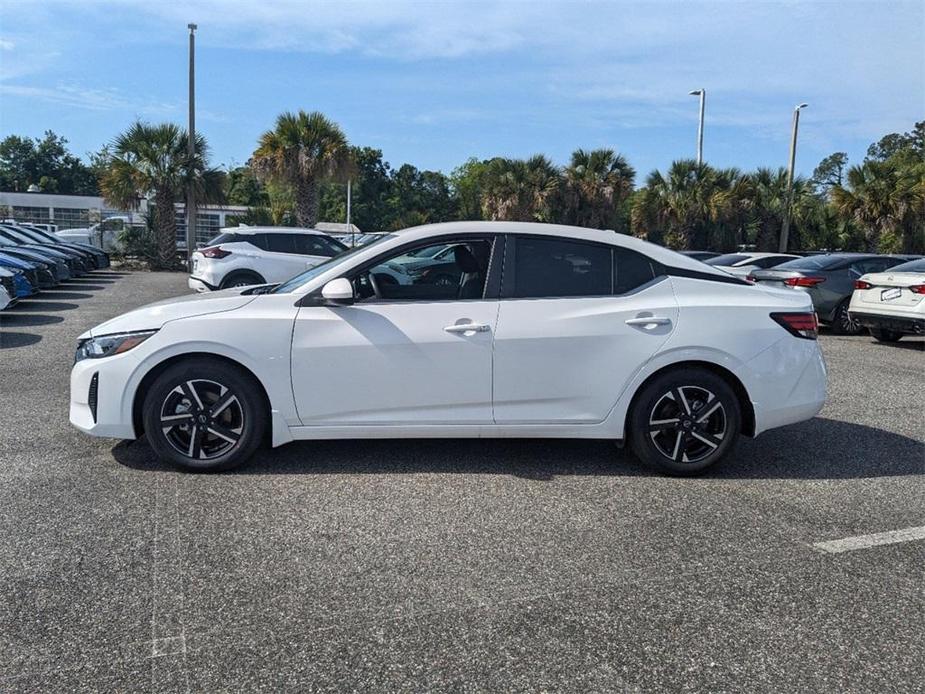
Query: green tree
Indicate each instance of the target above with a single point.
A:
(242, 187)
(303, 150)
(519, 190)
(466, 183)
(45, 162)
(830, 172)
(153, 160)
(886, 199)
(596, 184)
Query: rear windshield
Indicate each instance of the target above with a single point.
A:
(911, 266)
(728, 259)
(225, 238)
(812, 262)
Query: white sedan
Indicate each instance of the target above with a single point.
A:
(634, 343)
(892, 303)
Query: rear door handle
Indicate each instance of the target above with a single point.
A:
(468, 328)
(649, 320)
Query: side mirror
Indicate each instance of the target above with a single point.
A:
(339, 291)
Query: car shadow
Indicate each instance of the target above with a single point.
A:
(817, 449)
(77, 284)
(9, 340)
(40, 304)
(53, 293)
(905, 343)
(16, 319)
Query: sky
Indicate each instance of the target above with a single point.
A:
(435, 83)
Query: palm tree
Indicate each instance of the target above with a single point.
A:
(678, 208)
(883, 198)
(597, 182)
(152, 160)
(302, 151)
(519, 190)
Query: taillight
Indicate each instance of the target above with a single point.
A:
(861, 284)
(803, 281)
(798, 324)
(215, 252)
(751, 278)
(917, 289)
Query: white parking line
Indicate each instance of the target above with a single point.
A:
(864, 541)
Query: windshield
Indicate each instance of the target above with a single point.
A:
(728, 259)
(311, 273)
(41, 233)
(30, 235)
(911, 266)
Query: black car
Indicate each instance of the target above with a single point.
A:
(101, 258)
(78, 262)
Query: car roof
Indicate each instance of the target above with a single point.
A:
(247, 231)
(654, 251)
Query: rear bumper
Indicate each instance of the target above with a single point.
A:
(900, 324)
(200, 285)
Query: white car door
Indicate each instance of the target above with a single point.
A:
(412, 354)
(576, 321)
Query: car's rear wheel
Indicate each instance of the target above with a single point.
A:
(204, 416)
(843, 323)
(886, 335)
(242, 279)
(684, 421)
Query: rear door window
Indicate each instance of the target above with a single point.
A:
(280, 243)
(551, 267)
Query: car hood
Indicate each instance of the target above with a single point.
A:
(155, 316)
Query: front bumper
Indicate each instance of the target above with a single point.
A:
(899, 324)
(112, 418)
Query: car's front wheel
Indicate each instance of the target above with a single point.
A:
(684, 421)
(204, 416)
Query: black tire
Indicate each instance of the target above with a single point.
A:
(886, 335)
(669, 435)
(221, 434)
(843, 323)
(242, 279)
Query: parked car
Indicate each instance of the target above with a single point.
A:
(699, 255)
(5, 299)
(76, 263)
(38, 276)
(636, 343)
(16, 283)
(92, 258)
(741, 264)
(829, 281)
(891, 304)
(57, 266)
(244, 256)
(100, 257)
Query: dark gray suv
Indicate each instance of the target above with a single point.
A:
(829, 280)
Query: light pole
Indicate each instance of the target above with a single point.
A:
(785, 225)
(702, 93)
(349, 227)
(191, 150)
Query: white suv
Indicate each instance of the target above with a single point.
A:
(242, 256)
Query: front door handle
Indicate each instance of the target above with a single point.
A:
(467, 328)
(649, 320)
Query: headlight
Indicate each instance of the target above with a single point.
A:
(108, 345)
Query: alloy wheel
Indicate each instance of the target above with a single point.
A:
(687, 424)
(202, 419)
(846, 322)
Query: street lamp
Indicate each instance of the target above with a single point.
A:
(785, 225)
(702, 93)
(191, 150)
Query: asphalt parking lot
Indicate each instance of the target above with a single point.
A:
(455, 565)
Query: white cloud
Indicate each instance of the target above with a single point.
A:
(78, 96)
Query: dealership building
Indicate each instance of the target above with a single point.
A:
(79, 211)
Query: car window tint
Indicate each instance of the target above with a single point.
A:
(630, 270)
(280, 243)
(769, 261)
(457, 275)
(224, 238)
(315, 244)
(555, 267)
(812, 262)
